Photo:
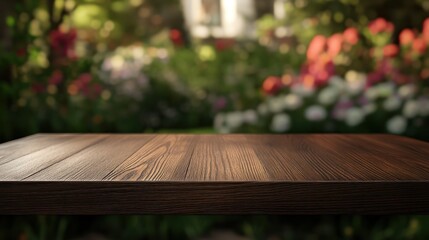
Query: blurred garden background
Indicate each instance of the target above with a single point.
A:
(215, 66)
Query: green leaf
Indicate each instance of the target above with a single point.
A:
(10, 21)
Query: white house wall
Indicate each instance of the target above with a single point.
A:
(237, 19)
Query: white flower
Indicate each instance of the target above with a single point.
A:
(275, 104)
(337, 82)
(407, 91)
(354, 116)
(124, 68)
(219, 120)
(262, 109)
(371, 93)
(397, 125)
(411, 109)
(137, 52)
(250, 116)
(353, 76)
(302, 90)
(385, 89)
(292, 101)
(424, 107)
(220, 123)
(234, 120)
(392, 103)
(224, 129)
(315, 113)
(328, 96)
(280, 122)
(369, 108)
(355, 82)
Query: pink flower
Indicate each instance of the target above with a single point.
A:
(219, 104)
(63, 43)
(316, 47)
(384, 67)
(272, 85)
(56, 78)
(351, 36)
(419, 46)
(335, 43)
(380, 25)
(390, 50)
(340, 109)
(374, 78)
(406, 37)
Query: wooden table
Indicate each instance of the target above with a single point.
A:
(214, 174)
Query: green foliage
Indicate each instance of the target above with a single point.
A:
(308, 18)
(194, 227)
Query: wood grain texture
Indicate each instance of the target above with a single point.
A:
(36, 162)
(224, 158)
(153, 197)
(214, 174)
(164, 158)
(94, 162)
(21, 147)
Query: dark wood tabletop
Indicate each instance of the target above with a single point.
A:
(214, 174)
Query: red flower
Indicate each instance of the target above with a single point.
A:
(82, 82)
(426, 24)
(400, 78)
(21, 52)
(272, 85)
(176, 37)
(335, 43)
(317, 73)
(316, 47)
(37, 88)
(56, 78)
(406, 37)
(83, 85)
(390, 50)
(426, 30)
(380, 25)
(419, 46)
(351, 36)
(424, 74)
(93, 91)
(85, 78)
(222, 44)
(390, 27)
(63, 43)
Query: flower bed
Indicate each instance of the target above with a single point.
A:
(354, 81)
